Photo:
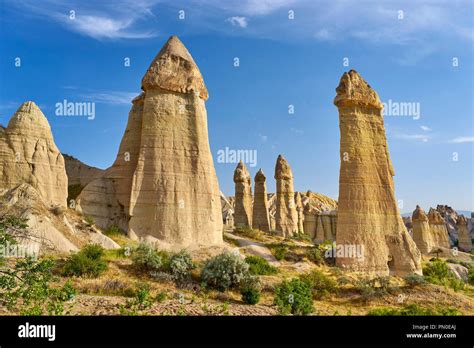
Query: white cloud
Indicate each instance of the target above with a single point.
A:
(263, 138)
(100, 27)
(421, 137)
(125, 19)
(425, 128)
(238, 21)
(460, 140)
(111, 97)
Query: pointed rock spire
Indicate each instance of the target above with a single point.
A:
(260, 215)
(243, 197)
(173, 69)
(29, 155)
(286, 217)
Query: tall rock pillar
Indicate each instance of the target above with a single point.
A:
(465, 242)
(421, 231)
(286, 217)
(300, 212)
(243, 197)
(368, 214)
(260, 217)
(438, 229)
(175, 198)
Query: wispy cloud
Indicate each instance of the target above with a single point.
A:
(98, 20)
(460, 140)
(237, 21)
(425, 128)
(416, 137)
(110, 97)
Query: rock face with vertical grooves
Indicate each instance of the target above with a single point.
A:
(28, 154)
(300, 212)
(163, 186)
(243, 196)
(286, 217)
(368, 214)
(438, 229)
(465, 242)
(421, 231)
(260, 215)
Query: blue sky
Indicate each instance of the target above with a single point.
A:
(290, 52)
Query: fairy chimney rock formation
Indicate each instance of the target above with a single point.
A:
(243, 197)
(163, 186)
(438, 229)
(421, 231)
(28, 154)
(260, 215)
(300, 212)
(464, 239)
(368, 214)
(286, 216)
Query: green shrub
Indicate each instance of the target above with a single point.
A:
(470, 276)
(315, 255)
(250, 290)
(249, 233)
(27, 285)
(280, 252)
(414, 279)
(294, 297)
(301, 236)
(259, 266)
(414, 310)
(224, 271)
(114, 230)
(373, 287)
(438, 272)
(180, 266)
(89, 220)
(142, 296)
(320, 284)
(146, 258)
(87, 262)
(161, 296)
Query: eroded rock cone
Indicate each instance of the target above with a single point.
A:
(163, 186)
(260, 215)
(465, 242)
(438, 229)
(243, 197)
(421, 231)
(286, 217)
(368, 214)
(29, 155)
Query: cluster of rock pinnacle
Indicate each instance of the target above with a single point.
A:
(163, 186)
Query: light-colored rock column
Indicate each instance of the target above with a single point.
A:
(465, 242)
(286, 217)
(368, 214)
(421, 231)
(175, 197)
(260, 215)
(243, 197)
(438, 229)
(300, 212)
(309, 222)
